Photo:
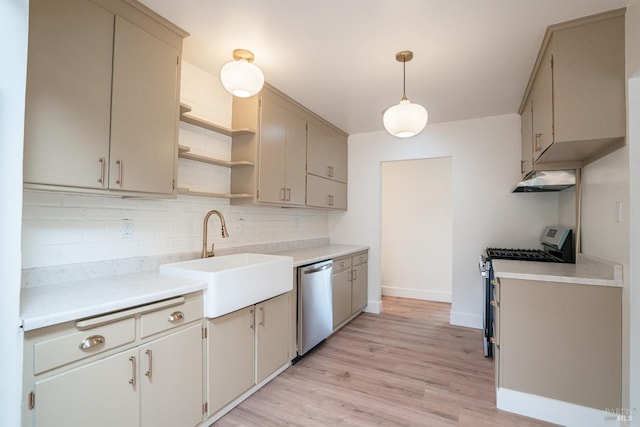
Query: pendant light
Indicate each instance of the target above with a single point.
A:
(241, 77)
(405, 119)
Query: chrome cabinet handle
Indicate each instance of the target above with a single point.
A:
(92, 341)
(283, 192)
(119, 177)
(102, 164)
(261, 316)
(149, 372)
(538, 147)
(176, 316)
(252, 320)
(330, 200)
(288, 193)
(132, 381)
(330, 171)
(521, 166)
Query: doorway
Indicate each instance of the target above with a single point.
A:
(417, 228)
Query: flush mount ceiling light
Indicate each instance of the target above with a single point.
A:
(405, 119)
(241, 77)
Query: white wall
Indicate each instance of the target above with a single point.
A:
(417, 229)
(486, 161)
(66, 228)
(632, 277)
(14, 16)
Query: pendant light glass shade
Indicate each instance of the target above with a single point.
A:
(241, 77)
(405, 119)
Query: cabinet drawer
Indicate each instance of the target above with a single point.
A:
(341, 264)
(59, 351)
(360, 258)
(170, 317)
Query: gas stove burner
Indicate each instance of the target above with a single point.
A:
(520, 254)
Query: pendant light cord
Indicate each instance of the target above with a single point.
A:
(404, 78)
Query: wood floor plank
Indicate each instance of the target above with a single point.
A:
(404, 367)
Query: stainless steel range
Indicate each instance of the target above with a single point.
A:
(557, 246)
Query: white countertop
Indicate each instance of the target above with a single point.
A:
(586, 271)
(49, 305)
(314, 254)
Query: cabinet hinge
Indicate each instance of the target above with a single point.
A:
(31, 400)
(552, 62)
(205, 408)
(173, 184)
(204, 332)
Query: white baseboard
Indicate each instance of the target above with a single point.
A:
(374, 307)
(467, 320)
(416, 294)
(555, 411)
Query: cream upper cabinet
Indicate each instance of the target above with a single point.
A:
(325, 193)
(326, 153)
(278, 149)
(144, 118)
(102, 97)
(282, 154)
(290, 144)
(526, 164)
(577, 90)
(542, 106)
(68, 99)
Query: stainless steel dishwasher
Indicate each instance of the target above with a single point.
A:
(315, 305)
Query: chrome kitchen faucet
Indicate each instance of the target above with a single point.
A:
(205, 252)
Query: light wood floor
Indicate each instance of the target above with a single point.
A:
(405, 367)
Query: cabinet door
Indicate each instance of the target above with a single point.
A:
(231, 363)
(272, 335)
(104, 393)
(359, 291)
(171, 379)
(325, 193)
(318, 152)
(68, 99)
(527, 138)
(273, 124)
(327, 154)
(341, 295)
(339, 159)
(296, 156)
(543, 105)
(144, 111)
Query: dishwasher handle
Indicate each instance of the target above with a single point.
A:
(317, 269)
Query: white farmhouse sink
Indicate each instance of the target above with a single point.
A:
(236, 281)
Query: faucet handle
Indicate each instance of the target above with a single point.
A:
(210, 253)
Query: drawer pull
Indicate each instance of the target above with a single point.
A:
(176, 316)
(92, 341)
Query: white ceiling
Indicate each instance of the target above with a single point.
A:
(472, 58)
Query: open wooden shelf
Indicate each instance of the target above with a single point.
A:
(186, 191)
(184, 152)
(187, 117)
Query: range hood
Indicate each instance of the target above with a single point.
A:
(540, 181)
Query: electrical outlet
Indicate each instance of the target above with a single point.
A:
(126, 229)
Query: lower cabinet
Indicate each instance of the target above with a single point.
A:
(74, 377)
(245, 347)
(558, 340)
(350, 291)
